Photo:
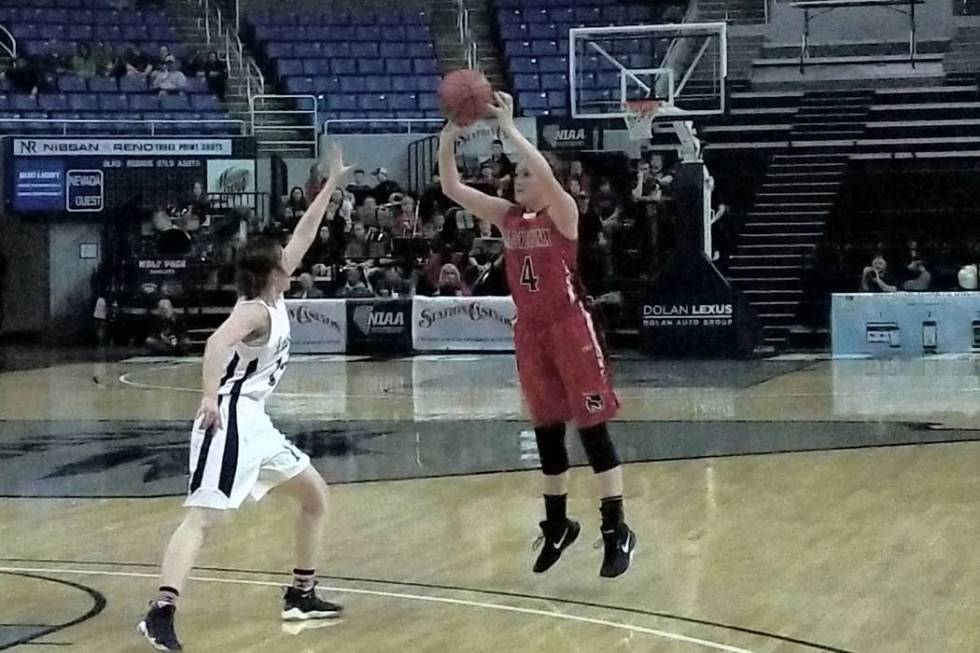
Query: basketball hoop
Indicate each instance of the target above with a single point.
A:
(639, 117)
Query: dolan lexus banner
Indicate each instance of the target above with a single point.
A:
(463, 323)
(567, 134)
(319, 326)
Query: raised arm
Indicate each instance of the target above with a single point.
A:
(486, 207)
(306, 229)
(246, 321)
(563, 209)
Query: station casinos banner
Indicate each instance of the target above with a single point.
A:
(89, 176)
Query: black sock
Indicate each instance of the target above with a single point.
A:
(304, 579)
(612, 512)
(167, 596)
(555, 508)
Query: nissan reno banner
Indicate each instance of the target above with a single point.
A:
(463, 323)
(90, 175)
(317, 326)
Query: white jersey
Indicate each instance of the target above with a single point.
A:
(254, 370)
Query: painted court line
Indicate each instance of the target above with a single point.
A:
(663, 634)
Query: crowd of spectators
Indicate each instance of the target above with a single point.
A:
(160, 72)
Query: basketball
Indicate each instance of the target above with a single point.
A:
(464, 96)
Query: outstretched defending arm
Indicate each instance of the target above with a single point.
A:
(486, 207)
(564, 210)
(306, 229)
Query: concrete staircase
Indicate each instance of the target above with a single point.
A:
(452, 53)
(187, 19)
(734, 12)
(790, 214)
(963, 55)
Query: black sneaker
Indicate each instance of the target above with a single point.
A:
(554, 541)
(619, 545)
(158, 627)
(299, 605)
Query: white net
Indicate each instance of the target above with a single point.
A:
(639, 117)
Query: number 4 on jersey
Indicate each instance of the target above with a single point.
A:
(528, 277)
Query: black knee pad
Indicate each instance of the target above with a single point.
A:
(599, 448)
(551, 449)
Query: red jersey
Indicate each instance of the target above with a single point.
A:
(541, 266)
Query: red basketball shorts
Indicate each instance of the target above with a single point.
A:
(563, 371)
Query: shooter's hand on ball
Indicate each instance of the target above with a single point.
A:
(503, 110)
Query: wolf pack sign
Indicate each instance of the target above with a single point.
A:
(318, 326)
(557, 134)
(463, 324)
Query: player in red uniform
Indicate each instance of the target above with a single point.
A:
(561, 365)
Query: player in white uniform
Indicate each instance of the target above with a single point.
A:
(236, 452)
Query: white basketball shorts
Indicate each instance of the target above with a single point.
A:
(246, 457)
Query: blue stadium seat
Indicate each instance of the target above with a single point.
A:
(135, 33)
(543, 31)
(639, 14)
(113, 102)
(428, 102)
(403, 102)
(563, 15)
(279, 50)
(537, 16)
(108, 32)
(128, 85)
(344, 66)
(518, 48)
(427, 83)
(371, 66)
(327, 84)
(144, 102)
(197, 84)
(544, 48)
(174, 103)
(553, 64)
(49, 102)
(83, 102)
(353, 84)
(588, 15)
(367, 34)
(80, 33)
(514, 32)
(375, 84)
(425, 66)
(4, 102)
(364, 49)
(343, 102)
(301, 85)
(532, 101)
(204, 102)
(24, 103)
(614, 14)
(418, 50)
(393, 50)
(398, 66)
(527, 82)
(554, 82)
(71, 84)
(316, 67)
(108, 85)
(557, 99)
(524, 65)
(510, 16)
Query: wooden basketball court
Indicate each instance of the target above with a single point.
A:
(785, 506)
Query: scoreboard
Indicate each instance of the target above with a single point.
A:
(71, 175)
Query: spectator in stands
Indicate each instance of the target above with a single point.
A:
(394, 284)
(322, 249)
(450, 282)
(137, 64)
(875, 277)
(920, 279)
(577, 172)
(296, 205)
(169, 80)
(647, 186)
(315, 181)
(500, 165)
(405, 218)
(579, 194)
(167, 335)
(359, 185)
(367, 212)
(386, 187)
(306, 288)
(197, 201)
(355, 284)
(357, 244)
(161, 59)
(84, 63)
(24, 77)
(434, 225)
(216, 73)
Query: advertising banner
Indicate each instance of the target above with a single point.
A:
(558, 134)
(379, 325)
(463, 324)
(318, 326)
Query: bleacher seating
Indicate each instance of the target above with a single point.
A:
(361, 65)
(121, 106)
(534, 36)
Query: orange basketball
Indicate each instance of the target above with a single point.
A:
(464, 96)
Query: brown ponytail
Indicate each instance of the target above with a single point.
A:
(254, 265)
